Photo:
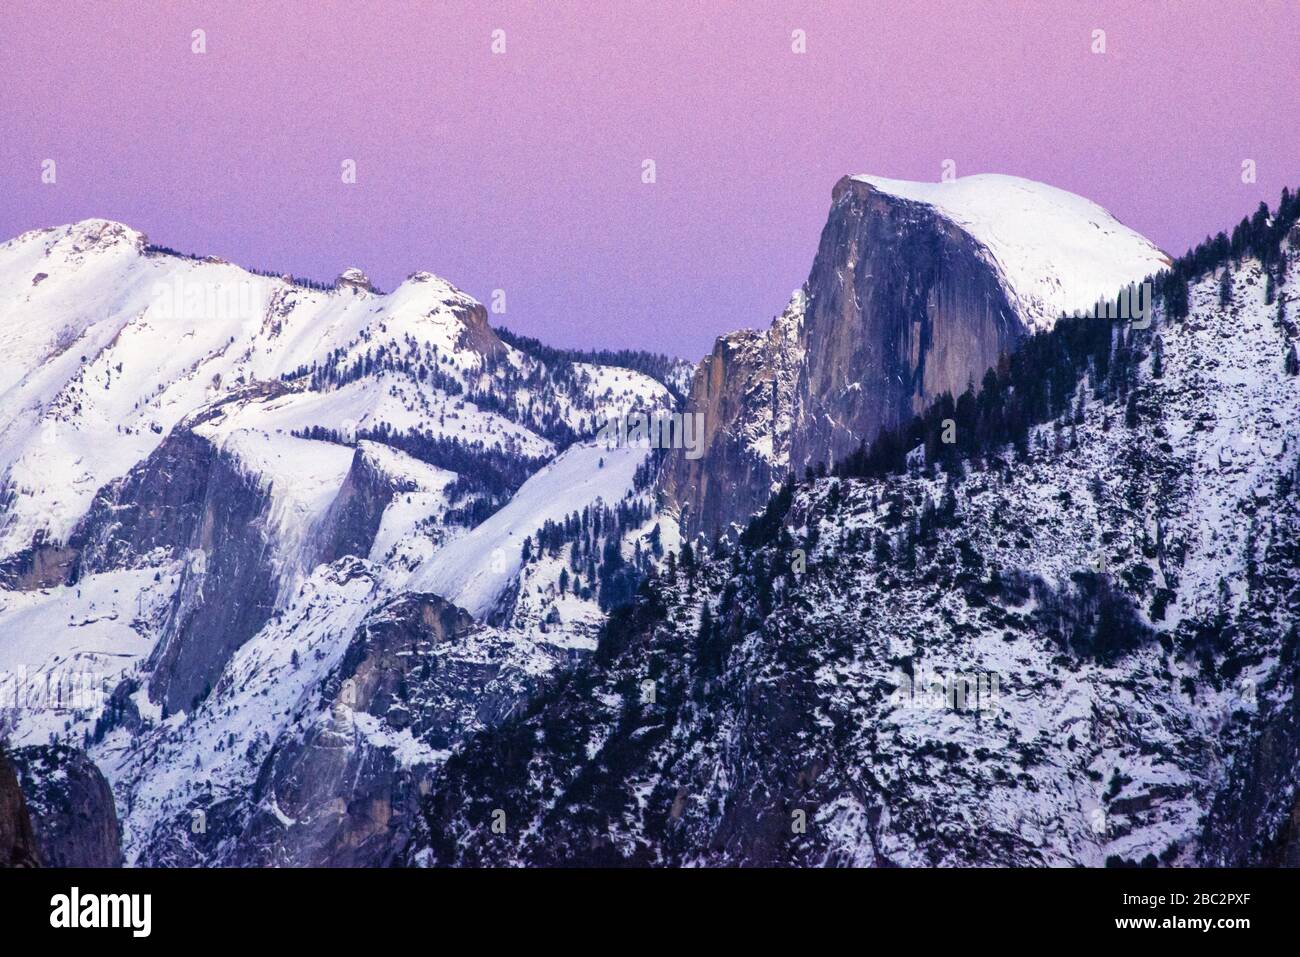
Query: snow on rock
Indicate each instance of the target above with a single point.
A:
(62, 650)
(421, 497)
(1057, 251)
(118, 342)
(301, 478)
(267, 685)
(474, 570)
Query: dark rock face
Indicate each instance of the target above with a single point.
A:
(350, 525)
(901, 306)
(40, 566)
(227, 589)
(155, 510)
(406, 677)
(1256, 817)
(184, 500)
(745, 392)
(71, 805)
(191, 500)
(120, 711)
(1286, 849)
(381, 665)
(17, 842)
(477, 334)
(345, 803)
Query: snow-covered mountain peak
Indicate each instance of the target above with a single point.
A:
(433, 289)
(91, 234)
(73, 242)
(112, 342)
(1057, 251)
(916, 290)
(355, 279)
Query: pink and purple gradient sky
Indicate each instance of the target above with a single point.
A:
(523, 171)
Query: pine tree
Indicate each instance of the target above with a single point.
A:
(948, 506)
(1131, 411)
(704, 650)
(688, 558)
(763, 585)
(833, 498)
(1177, 297)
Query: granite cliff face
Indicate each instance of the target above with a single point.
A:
(40, 565)
(350, 525)
(17, 843)
(902, 307)
(189, 501)
(73, 816)
(197, 501)
(745, 391)
(916, 290)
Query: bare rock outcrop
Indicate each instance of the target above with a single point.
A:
(73, 816)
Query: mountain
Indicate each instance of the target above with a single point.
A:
(915, 290)
(1069, 638)
(318, 575)
(204, 470)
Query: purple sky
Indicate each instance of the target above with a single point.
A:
(522, 171)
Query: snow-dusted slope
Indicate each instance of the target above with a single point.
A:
(64, 649)
(205, 470)
(473, 571)
(110, 343)
(1058, 252)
